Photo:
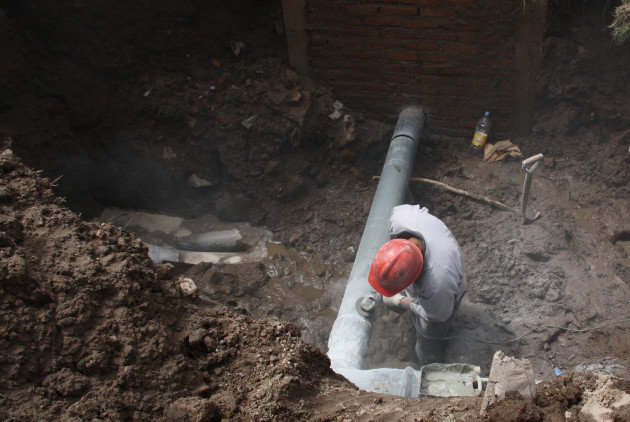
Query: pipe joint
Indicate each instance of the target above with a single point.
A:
(410, 123)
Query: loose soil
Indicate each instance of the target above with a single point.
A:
(92, 329)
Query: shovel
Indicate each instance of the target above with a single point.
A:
(529, 165)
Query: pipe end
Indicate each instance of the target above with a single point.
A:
(410, 122)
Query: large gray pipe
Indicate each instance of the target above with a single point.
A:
(351, 332)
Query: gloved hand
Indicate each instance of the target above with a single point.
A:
(393, 303)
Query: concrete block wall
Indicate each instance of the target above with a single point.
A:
(457, 57)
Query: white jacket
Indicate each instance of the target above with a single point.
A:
(442, 282)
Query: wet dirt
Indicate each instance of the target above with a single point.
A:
(93, 329)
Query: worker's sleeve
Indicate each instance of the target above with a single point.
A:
(437, 307)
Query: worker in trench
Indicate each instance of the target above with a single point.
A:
(421, 269)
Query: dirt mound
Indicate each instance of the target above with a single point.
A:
(93, 329)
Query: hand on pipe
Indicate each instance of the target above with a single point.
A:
(395, 303)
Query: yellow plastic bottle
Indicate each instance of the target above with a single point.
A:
(481, 132)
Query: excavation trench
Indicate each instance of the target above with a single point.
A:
(301, 229)
(244, 267)
(179, 127)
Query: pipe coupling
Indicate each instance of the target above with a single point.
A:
(410, 123)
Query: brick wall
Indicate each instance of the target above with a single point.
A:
(456, 57)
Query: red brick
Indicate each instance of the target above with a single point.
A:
(444, 101)
(318, 43)
(505, 62)
(419, 1)
(362, 32)
(475, 82)
(385, 68)
(423, 46)
(422, 89)
(456, 70)
(399, 79)
(453, 91)
(458, 3)
(383, 88)
(399, 10)
(497, 75)
(411, 68)
(415, 23)
(475, 37)
(461, 64)
(503, 94)
(464, 114)
(472, 15)
(382, 21)
(401, 57)
(437, 80)
(383, 44)
(437, 12)
(461, 27)
(399, 34)
(360, 10)
(361, 75)
(438, 35)
(403, 100)
(430, 69)
(435, 58)
(360, 54)
(460, 49)
(344, 43)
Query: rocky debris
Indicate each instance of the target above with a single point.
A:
(92, 328)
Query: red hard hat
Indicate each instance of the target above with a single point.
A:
(397, 264)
